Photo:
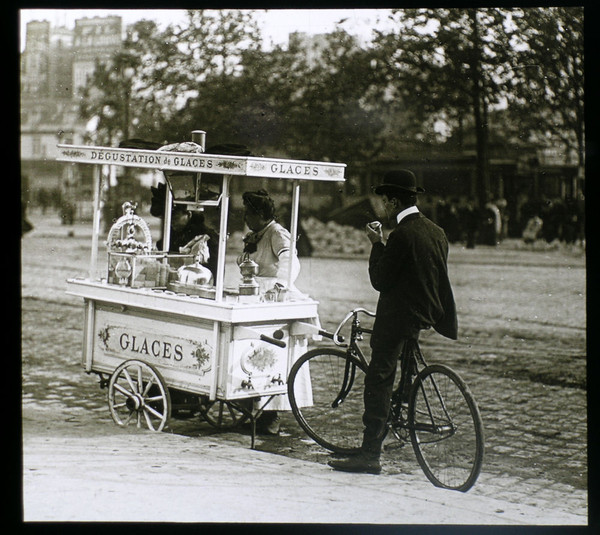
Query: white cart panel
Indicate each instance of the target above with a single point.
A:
(183, 351)
(253, 367)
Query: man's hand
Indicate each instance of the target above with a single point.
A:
(374, 232)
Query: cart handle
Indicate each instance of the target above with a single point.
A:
(246, 332)
(273, 341)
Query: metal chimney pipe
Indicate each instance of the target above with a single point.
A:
(199, 137)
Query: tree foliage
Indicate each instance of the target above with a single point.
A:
(435, 79)
(327, 105)
(548, 91)
(450, 66)
(173, 69)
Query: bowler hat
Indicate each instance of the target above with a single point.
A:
(397, 181)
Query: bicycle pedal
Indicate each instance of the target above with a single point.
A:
(394, 445)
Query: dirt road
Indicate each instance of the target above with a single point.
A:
(522, 350)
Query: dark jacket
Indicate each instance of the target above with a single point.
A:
(411, 274)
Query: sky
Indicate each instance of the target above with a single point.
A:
(276, 23)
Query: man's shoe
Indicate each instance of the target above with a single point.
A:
(361, 462)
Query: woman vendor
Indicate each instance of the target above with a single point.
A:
(268, 244)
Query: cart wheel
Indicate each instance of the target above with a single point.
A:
(225, 414)
(137, 394)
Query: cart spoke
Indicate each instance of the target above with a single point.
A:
(148, 386)
(128, 419)
(129, 380)
(149, 422)
(140, 379)
(153, 411)
(123, 390)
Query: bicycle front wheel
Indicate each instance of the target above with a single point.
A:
(446, 429)
(333, 418)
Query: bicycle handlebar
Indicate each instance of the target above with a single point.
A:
(329, 335)
(364, 311)
(339, 340)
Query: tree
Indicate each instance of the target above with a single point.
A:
(548, 90)
(318, 104)
(118, 97)
(450, 67)
(174, 75)
(105, 100)
(202, 68)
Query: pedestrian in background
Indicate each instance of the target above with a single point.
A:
(469, 216)
(502, 205)
(26, 226)
(490, 224)
(411, 275)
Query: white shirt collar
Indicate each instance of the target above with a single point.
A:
(405, 212)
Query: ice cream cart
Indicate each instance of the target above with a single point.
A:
(149, 335)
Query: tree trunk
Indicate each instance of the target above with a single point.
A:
(480, 116)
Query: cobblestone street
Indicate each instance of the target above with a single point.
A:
(528, 375)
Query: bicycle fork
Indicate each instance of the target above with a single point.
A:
(348, 381)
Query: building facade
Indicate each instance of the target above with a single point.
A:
(55, 64)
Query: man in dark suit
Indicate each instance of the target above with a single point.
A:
(411, 275)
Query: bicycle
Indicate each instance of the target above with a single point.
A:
(432, 407)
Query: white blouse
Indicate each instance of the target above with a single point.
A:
(273, 256)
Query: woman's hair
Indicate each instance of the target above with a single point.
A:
(260, 203)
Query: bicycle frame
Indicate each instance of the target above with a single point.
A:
(411, 357)
(410, 360)
(431, 404)
(443, 430)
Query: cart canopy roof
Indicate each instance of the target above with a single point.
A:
(253, 166)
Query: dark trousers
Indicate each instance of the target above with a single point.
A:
(379, 384)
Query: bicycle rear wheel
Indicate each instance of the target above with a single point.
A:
(446, 429)
(334, 419)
